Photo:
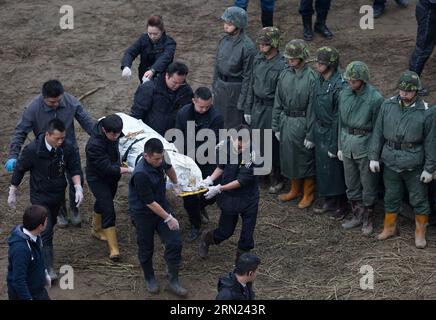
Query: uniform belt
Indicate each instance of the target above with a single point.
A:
(296, 114)
(358, 132)
(230, 79)
(265, 102)
(401, 145)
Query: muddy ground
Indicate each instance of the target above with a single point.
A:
(303, 256)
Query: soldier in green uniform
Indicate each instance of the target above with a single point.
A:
(233, 61)
(330, 181)
(359, 105)
(403, 139)
(267, 66)
(292, 121)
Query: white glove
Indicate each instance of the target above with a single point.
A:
(374, 166)
(47, 280)
(145, 79)
(127, 73)
(331, 155)
(426, 177)
(130, 169)
(340, 156)
(277, 134)
(12, 198)
(79, 194)
(206, 182)
(247, 118)
(308, 144)
(172, 223)
(147, 75)
(213, 191)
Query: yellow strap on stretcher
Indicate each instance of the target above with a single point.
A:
(191, 193)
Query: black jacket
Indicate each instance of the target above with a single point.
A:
(47, 170)
(212, 119)
(26, 269)
(102, 157)
(157, 105)
(230, 289)
(155, 56)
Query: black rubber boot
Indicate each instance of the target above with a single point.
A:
(267, 18)
(307, 28)
(321, 28)
(48, 260)
(173, 282)
(368, 221)
(206, 241)
(150, 280)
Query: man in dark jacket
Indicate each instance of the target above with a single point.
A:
(155, 48)
(103, 171)
(150, 213)
(238, 193)
(196, 116)
(27, 276)
(238, 285)
(157, 102)
(52, 103)
(48, 158)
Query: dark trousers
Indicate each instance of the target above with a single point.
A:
(267, 5)
(193, 206)
(229, 220)
(43, 295)
(104, 193)
(53, 210)
(425, 35)
(146, 225)
(321, 7)
(71, 190)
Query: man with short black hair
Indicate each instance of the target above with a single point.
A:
(203, 115)
(150, 213)
(48, 158)
(103, 171)
(52, 103)
(27, 276)
(238, 285)
(156, 102)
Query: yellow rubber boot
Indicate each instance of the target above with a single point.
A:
(96, 230)
(112, 242)
(421, 221)
(295, 191)
(390, 226)
(309, 193)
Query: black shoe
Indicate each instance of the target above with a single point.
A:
(193, 234)
(321, 28)
(402, 3)
(152, 285)
(378, 11)
(307, 28)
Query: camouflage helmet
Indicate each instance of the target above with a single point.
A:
(236, 16)
(269, 36)
(357, 70)
(328, 56)
(296, 49)
(409, 81)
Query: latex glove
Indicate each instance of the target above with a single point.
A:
(426, 177)
(127, 73)
(374, 166)
(12, 198)
(148, 75)
(47, 280)
(145, 79)
(172, 223)
(340, 156)
(277, 134)
(79, 194)
(130, 169)
(213, 191)
(247, 118)
(10, 164)
(308, 144)
(331, 155)
(206, 182)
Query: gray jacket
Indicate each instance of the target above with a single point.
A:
(37, 115)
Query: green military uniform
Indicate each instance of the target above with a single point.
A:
(403, 140)
(232, 69)
(357, 116)
(293, 118)
(330, 171)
